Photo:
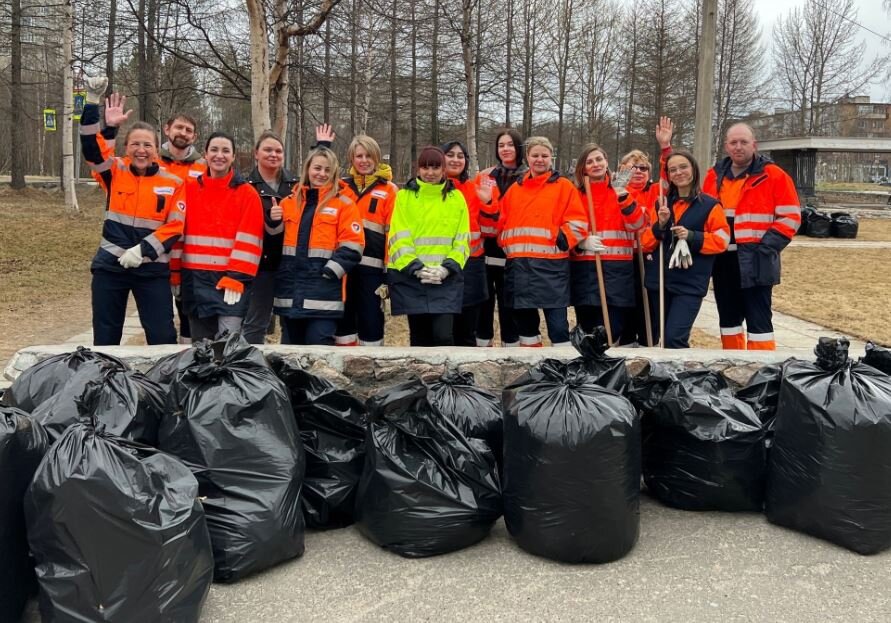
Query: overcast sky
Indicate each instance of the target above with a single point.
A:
(869, 13)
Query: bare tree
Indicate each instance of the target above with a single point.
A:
(817, 59)
(269, 75)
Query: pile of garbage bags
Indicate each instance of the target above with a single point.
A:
(817, 224)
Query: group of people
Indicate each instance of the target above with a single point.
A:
(324, 251)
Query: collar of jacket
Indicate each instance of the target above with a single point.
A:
(232, 179)
(383, 172)
(284, 177)
(416, 185)
(531, 180)
(759, 162)
(192, 154)
(151, 169)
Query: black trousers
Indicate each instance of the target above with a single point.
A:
(154, 302)
(431, 329)
(310, 331)
(465, 326)
(485, 328)
(591, 316)
(528, 323)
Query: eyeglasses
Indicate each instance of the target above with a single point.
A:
(643, 168)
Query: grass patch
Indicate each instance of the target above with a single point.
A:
(842, 289)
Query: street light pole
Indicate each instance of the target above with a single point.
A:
(705, 85)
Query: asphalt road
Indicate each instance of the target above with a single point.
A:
(686, 567)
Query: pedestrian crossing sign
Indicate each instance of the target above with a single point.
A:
(49, 119)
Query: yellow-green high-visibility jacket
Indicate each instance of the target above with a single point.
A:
(427, 229)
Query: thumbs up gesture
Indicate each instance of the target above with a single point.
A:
(275, 212)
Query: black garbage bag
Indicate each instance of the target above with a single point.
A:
(232, 423)
(117, 531)
(703, 449)
(819, 225)
(22, 446)
(647, 388)
(844, 225)
(806, 213)
(877, 357)
(571, 466)
(762, 393)
(830, 465)
(46, 378)
(608, 372)
(475, 410)
(125, 402)
(427, 489)
(165, 369)
(332, 425)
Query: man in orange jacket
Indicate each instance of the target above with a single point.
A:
(763, 212)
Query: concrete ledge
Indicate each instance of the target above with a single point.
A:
(364, 369)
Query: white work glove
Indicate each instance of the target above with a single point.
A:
(681, 258)
(231, 297)
(132, 257)
(175, 290)
(96, 87)
(593, 243)
(619, 180)
(383, 293)
(435, 275)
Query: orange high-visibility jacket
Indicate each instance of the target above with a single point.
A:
(375, 206)
(322, 244)
(541, 219)
(222, 244)
(616, 223)
(145, 209)
(763, 210)
(477, 211)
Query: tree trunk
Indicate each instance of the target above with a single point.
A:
(508, 80)
(17, 164)
(354, 50)
(470, 69)
(111, 44)
(68, 107)
(434, 79)
(261, 118)
(326, 83)
(394, 100)
(413, 137)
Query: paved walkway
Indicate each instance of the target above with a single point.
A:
(789, 332)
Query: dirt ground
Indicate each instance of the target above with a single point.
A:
(45, 254)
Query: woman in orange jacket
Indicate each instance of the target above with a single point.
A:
(222, 243)
(369, 183)
(541, 218)
(692, 229)
(617, 218)
(476, 290)
(143, 221)
(324, 240)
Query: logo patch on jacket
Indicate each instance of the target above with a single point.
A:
(380, 194)
(194, 173)
(356, 227)
(328, 211)
(164, 190)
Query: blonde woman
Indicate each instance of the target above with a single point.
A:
(323, 241)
